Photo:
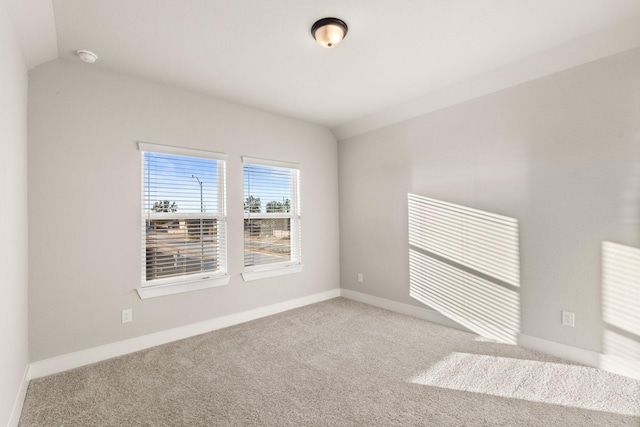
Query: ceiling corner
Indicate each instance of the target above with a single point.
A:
(35, 27)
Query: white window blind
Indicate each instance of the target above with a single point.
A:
(183, 215)
(272, 237)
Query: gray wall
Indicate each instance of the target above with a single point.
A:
(13, 216)
(561, 154)
(84, 203)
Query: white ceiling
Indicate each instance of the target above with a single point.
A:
(260, 52)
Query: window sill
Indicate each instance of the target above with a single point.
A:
(145, 292)
(271, 272)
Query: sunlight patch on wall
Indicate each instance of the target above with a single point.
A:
(465, 263)
(484, 307)
(551, 383)
(621, 354)
(621, 286)
(483, 241)
(621, 308)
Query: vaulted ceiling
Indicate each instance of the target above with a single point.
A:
(260, 53)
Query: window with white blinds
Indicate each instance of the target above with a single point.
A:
(183, 216)
(271, 217)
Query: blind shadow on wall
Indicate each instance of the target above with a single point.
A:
(621, 309)
(465, 263)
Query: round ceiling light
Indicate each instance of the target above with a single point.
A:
(86, 56)
(329, 32)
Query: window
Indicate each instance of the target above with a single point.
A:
(271, 218)
(183, 220)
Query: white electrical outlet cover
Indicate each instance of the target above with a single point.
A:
(568, 319)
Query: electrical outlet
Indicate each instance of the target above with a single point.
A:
(127, 315)
(568, 318)
(360, 278)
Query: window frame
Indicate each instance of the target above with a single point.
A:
(194, 281)
(294, 265)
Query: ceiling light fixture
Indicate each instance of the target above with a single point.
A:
(329, 32)
(86, 56)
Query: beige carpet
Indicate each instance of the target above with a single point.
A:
(337, 363)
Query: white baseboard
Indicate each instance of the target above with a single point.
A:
(96, 354)
(617, 365)
(620, 365)
(402, 308)
(65, 362)
(22, 394)
(575, 354)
